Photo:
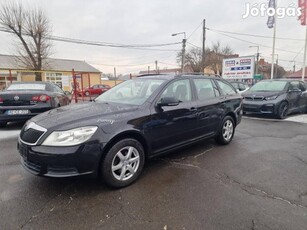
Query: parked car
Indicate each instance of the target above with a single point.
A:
(276, 97)
(241, 87)
(112, 136)
(94, 90)
(23, 100)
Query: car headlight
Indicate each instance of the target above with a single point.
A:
(70, 137)
(271, 98)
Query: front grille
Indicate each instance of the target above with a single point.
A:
(31, 135)
(254, 98)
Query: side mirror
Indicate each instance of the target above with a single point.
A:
(168, 101)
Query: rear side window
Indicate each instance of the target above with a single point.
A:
(204, 89)
(226, 88)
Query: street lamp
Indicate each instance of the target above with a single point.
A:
(257, 57)
(184, 40)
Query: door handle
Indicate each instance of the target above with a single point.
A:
(193, 109)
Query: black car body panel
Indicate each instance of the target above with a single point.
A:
(159, 129)
(268, 102)
(16, 105)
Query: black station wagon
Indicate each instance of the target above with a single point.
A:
(137, 119)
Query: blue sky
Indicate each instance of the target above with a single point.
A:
(153, 22)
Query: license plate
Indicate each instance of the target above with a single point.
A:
(18, 112)
(23, 151)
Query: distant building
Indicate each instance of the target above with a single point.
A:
(58, 71)
(298, 75)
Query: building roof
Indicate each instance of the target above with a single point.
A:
(11, 62)
(298, 74)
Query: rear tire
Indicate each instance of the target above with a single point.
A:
(123, 163)
(283, 110)
(226, 132)
(3, 124)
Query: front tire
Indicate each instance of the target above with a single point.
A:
(283, 110)
(123, 163)
(226, 132)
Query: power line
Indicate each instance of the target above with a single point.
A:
(195, 30)
(254, 43)
(254, 35)
(106, 44)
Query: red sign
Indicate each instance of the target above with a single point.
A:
(303, 5)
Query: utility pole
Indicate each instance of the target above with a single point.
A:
(257, 58)
(276, 69)
(115, 74)
(148, 69)
(184, 40)
(204, 47)
(183, 53)
(156, 62)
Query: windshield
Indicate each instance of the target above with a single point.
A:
(26, 87)
(132, 92)
(269, 86)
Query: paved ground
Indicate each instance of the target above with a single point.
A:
(259, 181)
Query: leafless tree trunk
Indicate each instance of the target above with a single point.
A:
(32, 29)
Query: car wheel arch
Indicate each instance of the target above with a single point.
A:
(233, 116)
(127, 134)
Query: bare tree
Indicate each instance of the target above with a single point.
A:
(32, 29)
(213, 58)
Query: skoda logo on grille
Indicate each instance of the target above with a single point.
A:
(16, 98)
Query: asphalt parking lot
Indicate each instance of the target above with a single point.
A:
(259, 181)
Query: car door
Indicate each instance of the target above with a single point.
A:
(208, 104)
(294, 96)
(303, 97)
(173, 125)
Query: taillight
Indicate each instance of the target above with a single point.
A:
(1, 100)
(42, 98)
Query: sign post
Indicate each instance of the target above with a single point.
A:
(303, 5)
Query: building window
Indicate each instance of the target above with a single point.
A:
(55, 78)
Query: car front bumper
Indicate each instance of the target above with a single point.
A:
(260, 107)
(61, 161)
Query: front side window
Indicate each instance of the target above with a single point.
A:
(179, 89)
(204, 89)
(131, 92)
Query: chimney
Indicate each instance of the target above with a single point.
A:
(261, 61)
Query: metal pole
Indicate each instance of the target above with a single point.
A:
(89, 83)
(305, 52)
(75, 85)
(204, 46)
(257, 64)
(148, 69)
(82, 92)
(115, 75)
(274, 41)
(183, 54)
(276, 69)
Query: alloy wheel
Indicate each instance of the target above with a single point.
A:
(125, 163)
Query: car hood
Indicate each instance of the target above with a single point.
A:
(78, 115)
(261, 94)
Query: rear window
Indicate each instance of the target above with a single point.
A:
(26, 87)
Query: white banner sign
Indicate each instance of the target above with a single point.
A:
(239, 68)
